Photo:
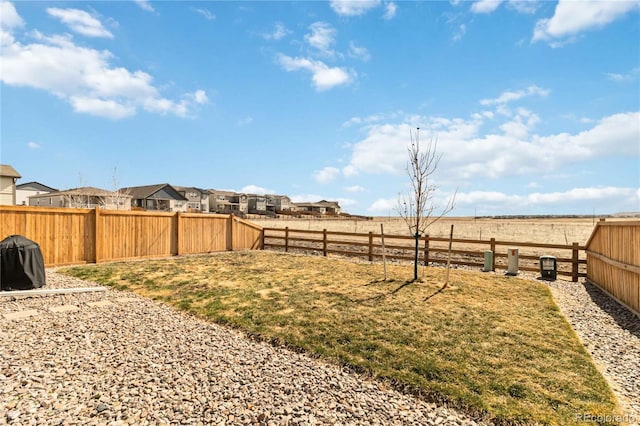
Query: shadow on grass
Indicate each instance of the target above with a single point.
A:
(440, 290)
(383, 295)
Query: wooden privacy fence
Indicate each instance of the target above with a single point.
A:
(570, 259)
(73, 236)
(613, 261)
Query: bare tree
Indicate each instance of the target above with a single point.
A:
(77, 197)
(116, 197)
(417, 207)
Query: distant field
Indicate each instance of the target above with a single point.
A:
(536, 230)
(563, 231)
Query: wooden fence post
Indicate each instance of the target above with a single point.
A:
(574, 262)
(492, 245)
(324, 242)
(286, 239)
(97, 236)
(262, 239)
(178, 233)
(426, 250)
(370, 246)
(230, 232)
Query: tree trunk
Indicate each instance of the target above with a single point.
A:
(415, 258)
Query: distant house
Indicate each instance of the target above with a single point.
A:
(226, 202)
(197, 199)
(26, 190)
(277, 202)
(331, 207)
(163, 197)
(86, 197)
(257, 203)
(8, 178)
(310, 207)
(320, 207)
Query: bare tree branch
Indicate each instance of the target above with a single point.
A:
(417, 206)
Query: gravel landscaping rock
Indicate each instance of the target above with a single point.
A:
(136, 362)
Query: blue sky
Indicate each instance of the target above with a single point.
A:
(535, 105)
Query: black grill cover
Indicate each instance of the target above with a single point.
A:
(21, 264)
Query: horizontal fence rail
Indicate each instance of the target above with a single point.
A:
(433, 250)
(613, 261)
(74, 236)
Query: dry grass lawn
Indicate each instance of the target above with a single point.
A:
(494, 346)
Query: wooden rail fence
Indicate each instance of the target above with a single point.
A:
(433, 250)
(613, 261)
(74, 236)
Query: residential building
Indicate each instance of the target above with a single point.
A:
(85, 197)
(310, 207)
(226, 202)
(257, 203)
(197, 199)
(331, 207)
(26, 190)
(320, 207)
(8, 178)
(277, 203)
(163, 197)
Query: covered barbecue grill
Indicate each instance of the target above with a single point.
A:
(21, 264)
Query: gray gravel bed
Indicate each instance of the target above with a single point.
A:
(611, 334)
(119, 359)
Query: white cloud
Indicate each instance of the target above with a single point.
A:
(384, 150)
(383, 205)
(353, 7)
(10, 18)
(507, 97)
(80, 22)
(373, 118)
(524, 6)
(390, 10)
(279, 32)
(616, 198)
(206, 13)
(33, 145)
(513, 151)
(200, 97)
(323, 76)
(462, 29)
(489, 6)
(630, 76)
(145, 5)
(573, 17)
(344, 202)
(359, 52)
(326, 175)
(103, 108)
(255, 189)
(322, 38)
(355, 188)
(485, 6)
(85, 78)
